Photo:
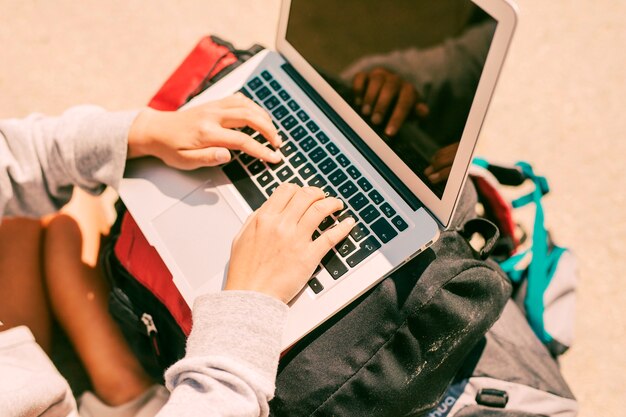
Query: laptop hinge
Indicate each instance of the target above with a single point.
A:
(355, 139)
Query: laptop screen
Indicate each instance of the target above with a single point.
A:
(409, 68)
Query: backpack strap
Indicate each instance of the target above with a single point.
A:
(486, 229)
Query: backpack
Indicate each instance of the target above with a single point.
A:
(429, 314)
(544, 275)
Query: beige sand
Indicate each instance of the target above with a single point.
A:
(559, 105)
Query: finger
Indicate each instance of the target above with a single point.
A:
(332, 237)
(301, 202)
(233, 139)
(207, 157)
(403, 107)
(279, 198)
(318, 211)
(388, 93)
(237, 117)
(444, 157)
(374, 85)
(422, 110)
(440, 175)
(240, 100)
(358, 86)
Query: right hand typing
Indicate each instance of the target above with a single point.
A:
(274, 253)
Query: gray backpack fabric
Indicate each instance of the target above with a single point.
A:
(509, 374)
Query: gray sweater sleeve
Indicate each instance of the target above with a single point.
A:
(232, 356)
(42, 158)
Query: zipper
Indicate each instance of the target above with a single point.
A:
(151, 331)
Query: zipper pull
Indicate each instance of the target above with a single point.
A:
(151, 331)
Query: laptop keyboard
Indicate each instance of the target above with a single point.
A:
(311, 158)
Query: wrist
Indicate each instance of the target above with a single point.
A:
(140, 134)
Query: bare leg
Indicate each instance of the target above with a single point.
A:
(78, 296)
(22, 293)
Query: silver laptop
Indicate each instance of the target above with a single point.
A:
(451, 51)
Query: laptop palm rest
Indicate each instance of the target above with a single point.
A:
(194, 231)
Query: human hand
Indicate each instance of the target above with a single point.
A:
(202, 135)
(376, 90)
(441, 164)
(274, 252)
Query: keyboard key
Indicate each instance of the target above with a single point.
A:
(329, 191)
(297, 160)
(327, 165)
(244, 184)
(284, 174)
(262, 93)
(261, 139)
(289, 122)
(270, 190)
(326, 223)
(388, 210)
(359, 232)
(346, 214)
(315, 235)
(317, 154)
(265, 178)
(296, 180)
(369, 214)
(245, 92)
(246, 159)
(344, 161)
(316, 285)
(337, 177)
(345, 247)
(282, 135)
(308, 144)
(313, 127)
(399, 223)
(307, 171)
(298, 133)
(333, 265)
(383, 230)
(248, 131)
(364, 184)
(302, 115)
(352, 171)
(376, 197)
(284, 95)
(317, 181)
(266, 75)
(347, 189)
(271, 102)
(288, 148)
(332, 148)
(275, 85)
(255, 83)
(256, 167)
(280, 112)
(293, 105)
(358, 201)
(367, 247)
(322, 137)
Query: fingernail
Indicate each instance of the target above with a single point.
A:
(390, 131)
(434, 177)
(428, 171)
(273, 156)
(366, 110)
(377, 118)
(222, 156)
(350, 221)
(279, 140)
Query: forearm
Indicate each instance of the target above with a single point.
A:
(42, 158)
(232, 357)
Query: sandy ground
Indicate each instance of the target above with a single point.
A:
(559, 105)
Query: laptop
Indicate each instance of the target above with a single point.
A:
(451, 51)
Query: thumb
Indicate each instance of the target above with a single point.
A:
(206, 157)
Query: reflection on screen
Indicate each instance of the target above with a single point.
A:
(409, 68)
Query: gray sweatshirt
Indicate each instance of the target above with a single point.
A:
(233, 349)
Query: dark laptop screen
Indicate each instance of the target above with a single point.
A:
(415, 64)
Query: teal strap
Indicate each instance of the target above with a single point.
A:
(481, 162)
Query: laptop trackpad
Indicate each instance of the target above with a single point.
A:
(198, 231)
